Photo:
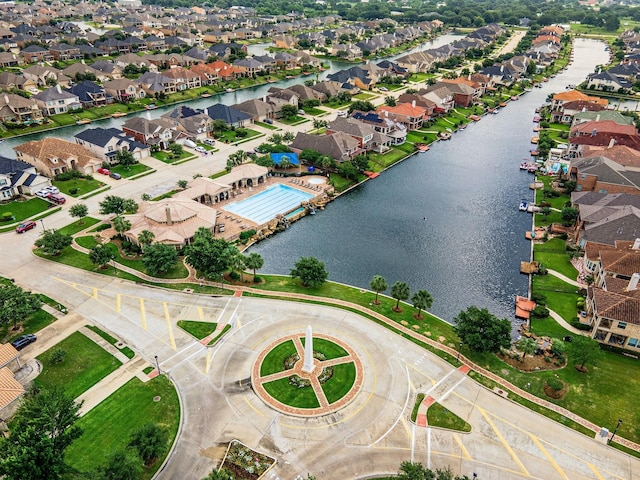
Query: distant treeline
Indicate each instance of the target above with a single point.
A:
(456, 13)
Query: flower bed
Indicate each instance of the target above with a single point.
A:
(245, 463)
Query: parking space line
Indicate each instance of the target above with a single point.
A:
(463, 449)
(169, 328)
(549, 457)
(503, 441)
(595, 471)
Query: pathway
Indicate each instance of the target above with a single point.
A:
(565, 279)
(563, 323)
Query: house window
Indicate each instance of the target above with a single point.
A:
(110, 149)
(633, 342)
(622, 325)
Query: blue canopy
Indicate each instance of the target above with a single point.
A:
(277, 158)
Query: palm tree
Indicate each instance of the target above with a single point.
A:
(275, 138)
(422, 300)
(237, 263)
(527, 346)
(288, 137)
(145, 238)
(399, 291)
(254, 261)
(378, 284)
(285, 162)
(121, 225)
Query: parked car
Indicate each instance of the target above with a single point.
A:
(209, 141)
(268, 121)
(56, 198)
(201, 149)
(42, 193)
(301, 112)
(384, 89)
(25, 227)
(190, 143)
(104, 171)
(115, 175)
(342, 113)
(52, 189)
(21, 342)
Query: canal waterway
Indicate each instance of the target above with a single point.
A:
(446, 220)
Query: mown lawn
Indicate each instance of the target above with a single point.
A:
(438, 416)
(197, 329)
(168, 157)
(552, 255)
(273, 361)
(291, 395)
(344, 376)
(78, 225)
(561, 297)
(130, 170)
(111, 424)
(327, 347)
(32, 324)
(21, 210)
(230, 136)
(113, 341)
(82, 186)
(84, 365)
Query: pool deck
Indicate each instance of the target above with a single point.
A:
(234, 224)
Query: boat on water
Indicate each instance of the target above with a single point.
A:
(422, 147)
(523, 205)
(515, 98)
(444, 136)
(475, 118)
(83, 121)
(462, 126)
(524, 166)
(536, 119)
(535, 139)
(205, 95)
(496, 111)
(503, 104)
(536, 129)
(151, 106)
(228, 90)
(534, 153)
(118, 114)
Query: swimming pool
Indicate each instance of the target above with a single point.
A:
(264, 206)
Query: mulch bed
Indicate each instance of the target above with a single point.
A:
(532, 363)
(556, 394)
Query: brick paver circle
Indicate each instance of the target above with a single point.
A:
(325, 407)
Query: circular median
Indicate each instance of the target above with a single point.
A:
(279, 380)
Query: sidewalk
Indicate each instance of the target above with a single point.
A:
(565, 279)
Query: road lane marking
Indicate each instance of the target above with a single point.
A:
(463, 449)
(552, 461)
(503, 441)
(595, 471)
(169, 328)
(143, 318)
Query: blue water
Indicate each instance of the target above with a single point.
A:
(295, 212)
(264, 206)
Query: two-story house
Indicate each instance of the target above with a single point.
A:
(54, 100)
(149, 132)
(19, 178)
(105, 143)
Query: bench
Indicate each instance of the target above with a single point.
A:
(630, 355)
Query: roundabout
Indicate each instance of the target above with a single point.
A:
(281, 381)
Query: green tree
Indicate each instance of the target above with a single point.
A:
(209, 256)
(545, 211)
(254, 261)
(126, 159)
(159, 258)
(310, 271)
(237, 265)
(289, 111)
(237, 158)
(417, 471)
(52, 242)
(275, 138)
(399, 291)
(569, 216)
(145, 238)
(222, 474)
(482, 331)
(422, 300)
(122, 465)
(43, 427)
(117, 205)
(361, 105)
(100, 255)
(79, 210)
(319, 124)
(16, 304)
(121, 225)
(378, 284)
(584, 350)
(348, 170)
(288, 137)
(176, 149)
(390, 101)
(182, 184)
(527, 346)
(151, 441)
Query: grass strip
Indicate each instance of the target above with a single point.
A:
(113, 341)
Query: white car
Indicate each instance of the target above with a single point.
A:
(201, 149)
(42, 193)
(52, 189)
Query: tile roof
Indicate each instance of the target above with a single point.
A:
(573, 95)
(616, 306)
(7, 354)
(10, 388)
(50, 147)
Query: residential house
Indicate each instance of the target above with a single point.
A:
(189, 122)
(64, 51)
(81, 71)
(368, 138)
(42, 76)
(9, 80)
(149, 132)
(223, 70)
(19, 178)
(207, 74)
(109, 69)
(249, 66)
(573, 95)
(601, 174)
(36, 53)
(258, 109)
(52, 156)
(133, 59)
(124, 90)
(410, 115)
(608, 82)
(184, 79)
(90, 94)
(339, 146)
(156, 84)
(305, 93)
(20, 110)
(278, 97)
(364, 76)
(566, 112)
(54, 100)
(441, 96)
(105, 143)
(230, 115)
(420, 101)
(395, 131)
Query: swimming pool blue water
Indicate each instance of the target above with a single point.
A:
(263, 206)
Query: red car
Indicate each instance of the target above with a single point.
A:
(25, 227)
(57, 199)
(104, 171)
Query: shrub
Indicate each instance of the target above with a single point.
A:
(73, 191)
(555, 384)
(246, 235)
(58, 355)
(234, 276)
(70, 175)
(102, 227)
(6, 217)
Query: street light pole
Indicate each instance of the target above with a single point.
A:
(459, 348)
(615, 430)
(158, 365)
(42, 222)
